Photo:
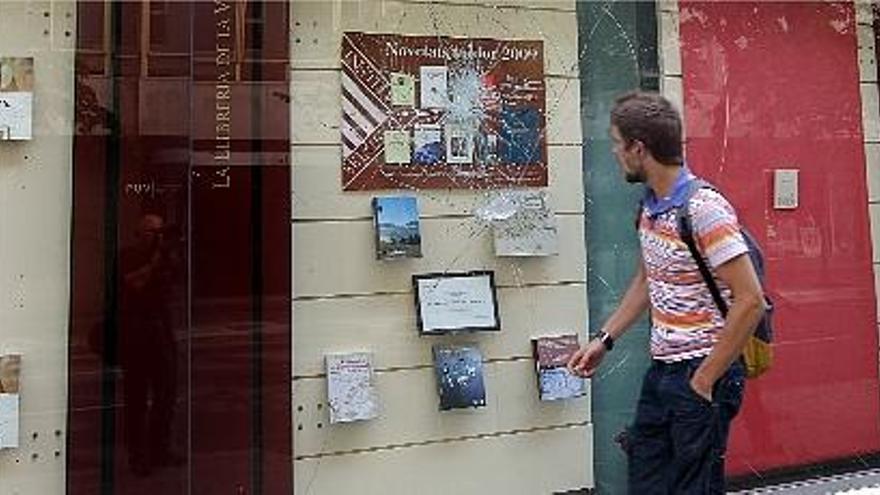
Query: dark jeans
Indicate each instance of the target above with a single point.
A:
(678, 441)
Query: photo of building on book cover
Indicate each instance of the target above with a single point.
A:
(396, 220)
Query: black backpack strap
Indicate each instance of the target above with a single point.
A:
(686, 232)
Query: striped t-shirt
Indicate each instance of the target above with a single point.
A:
(685, 320)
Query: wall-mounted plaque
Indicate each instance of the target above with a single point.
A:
(450, 302)
(16, 98)
(432, 112)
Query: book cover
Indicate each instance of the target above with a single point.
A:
(520, 135)
(459, 372)
(428, 144)
(433, 86)
(403, 89)
(351, 391)
(397, 146)
(16, 98)
(529, 230)
(10, 378)
(555, 382)
(396, 221)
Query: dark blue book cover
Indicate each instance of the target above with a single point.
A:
(459, 377)
(520, 136)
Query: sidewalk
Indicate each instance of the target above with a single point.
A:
(858, 483)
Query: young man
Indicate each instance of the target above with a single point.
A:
(694, 386)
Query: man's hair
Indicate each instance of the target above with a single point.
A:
(651, 119)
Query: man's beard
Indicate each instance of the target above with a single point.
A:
(635, 177)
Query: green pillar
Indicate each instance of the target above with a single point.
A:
(618, 47)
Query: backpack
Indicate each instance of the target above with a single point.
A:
(758, 353)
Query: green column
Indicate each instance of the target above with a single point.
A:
(618, 53)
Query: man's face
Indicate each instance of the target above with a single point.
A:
(628, 157)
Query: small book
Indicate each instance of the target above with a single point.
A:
(351, 391)
(459, 377)
(555, 382)
(9, 420)
(10, 380)
(396, 221)
(530, 228)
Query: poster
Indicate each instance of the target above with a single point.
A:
(16, 98)
(457, 113)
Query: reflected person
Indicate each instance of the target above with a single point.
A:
(147, 346)
(694, 386)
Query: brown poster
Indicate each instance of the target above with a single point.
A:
(435, 112)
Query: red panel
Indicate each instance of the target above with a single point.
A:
(776, 85)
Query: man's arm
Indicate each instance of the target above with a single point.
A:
(742, 317)
(634, 303)
(631, 307)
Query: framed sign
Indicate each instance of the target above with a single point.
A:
(437, 112)
(451, 302)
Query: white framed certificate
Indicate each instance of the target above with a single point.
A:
(451, 302)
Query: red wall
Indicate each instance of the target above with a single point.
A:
(776, 85)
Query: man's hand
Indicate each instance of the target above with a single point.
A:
(701, 386)
(586, 360)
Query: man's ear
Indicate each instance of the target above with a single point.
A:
(640, 148)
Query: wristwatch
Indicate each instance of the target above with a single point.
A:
(606, 340)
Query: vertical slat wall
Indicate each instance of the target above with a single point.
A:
(35, 199)
(345, 300)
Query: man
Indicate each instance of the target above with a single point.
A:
(694, 386)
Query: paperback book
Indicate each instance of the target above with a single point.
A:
(351, 391)
(459, 377)
(396, 220)
(555, 382)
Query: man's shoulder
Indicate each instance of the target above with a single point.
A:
(709, 198)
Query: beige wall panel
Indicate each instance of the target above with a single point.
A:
(35, 202)
(317, 108)
(564, 5)
(388, 324)
(872, 160)
(670, 43)
(874, 211)
(877, 285)
(535, 463)
(317, 188)
(870, 114)
(333, 258)
(867, 56)
(317, 28)
(864, 13)
(409, 411)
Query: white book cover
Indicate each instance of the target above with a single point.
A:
(530, 230)
(9, 420)
(351, 391)
(434, 86)
(16, 110)
(16, 98)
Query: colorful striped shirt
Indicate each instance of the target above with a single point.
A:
(685, 320)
